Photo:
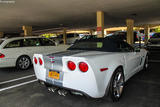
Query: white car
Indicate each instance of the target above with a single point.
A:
(71, 38)
(18, 51)
(92, 67)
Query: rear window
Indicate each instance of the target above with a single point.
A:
(1, 41)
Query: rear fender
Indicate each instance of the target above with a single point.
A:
(103, 78)
(39, 70)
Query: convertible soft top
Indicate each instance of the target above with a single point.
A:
(108, 44)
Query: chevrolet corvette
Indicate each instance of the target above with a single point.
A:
(96, 67)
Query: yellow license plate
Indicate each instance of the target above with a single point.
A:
(54, 75)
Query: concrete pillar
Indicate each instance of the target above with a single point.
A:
(64, 36)
(130, 35)
(91, 31)
(1, 34)
(27, 30)
(100, 24)
(146, 32)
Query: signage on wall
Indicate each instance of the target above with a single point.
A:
(99, 30)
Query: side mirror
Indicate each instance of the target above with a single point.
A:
(137, 49)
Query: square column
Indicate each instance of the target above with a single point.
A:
(27, 30)
(1, 34)
(146, 32)
(100, 24)
(130, 34)
(64, 36)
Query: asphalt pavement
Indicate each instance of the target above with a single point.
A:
(21, 89)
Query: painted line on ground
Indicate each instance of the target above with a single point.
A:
(16, 79)
(14, 86)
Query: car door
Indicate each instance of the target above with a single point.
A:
(132, 58)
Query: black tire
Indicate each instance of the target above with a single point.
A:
(23, 62)
(116, 88)
(145, 66)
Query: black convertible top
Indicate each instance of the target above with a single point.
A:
(108, 44)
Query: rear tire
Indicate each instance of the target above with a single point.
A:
(116, 85)
(23, 62)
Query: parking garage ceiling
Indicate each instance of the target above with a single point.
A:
(75, 13)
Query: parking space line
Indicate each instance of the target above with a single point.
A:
(14, 86)
(16, 79)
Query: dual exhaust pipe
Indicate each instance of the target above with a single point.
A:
(61, 92)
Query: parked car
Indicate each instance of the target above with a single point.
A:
(71, 37)
(18, 51)
(92, 67)
(123, 35)
(153, 47)
(155, 39)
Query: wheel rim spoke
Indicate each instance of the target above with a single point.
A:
(24, 63)
(118, 84)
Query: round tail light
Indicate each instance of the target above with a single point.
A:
(2, 55)
(35, 60)
(83, 66)
(40, 61)
(71, 65)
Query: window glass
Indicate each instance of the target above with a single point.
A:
(31, 42)
(14, 44)
(47, 42)
(70, 35)
(125, 47)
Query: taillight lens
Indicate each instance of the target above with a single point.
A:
(71, 65)
(2, 55)
(35, 60)
(83, 66)
(40, 61)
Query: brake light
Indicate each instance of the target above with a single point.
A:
(71, 65)
(40, 61)
(2, 55)
(83, 66)
(35, 60)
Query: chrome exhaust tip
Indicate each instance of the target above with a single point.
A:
(52, 89)
(62, 92)
(49, 88)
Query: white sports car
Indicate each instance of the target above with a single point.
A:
(92, 67)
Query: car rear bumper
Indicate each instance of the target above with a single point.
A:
(4, 62)
(86, 86)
